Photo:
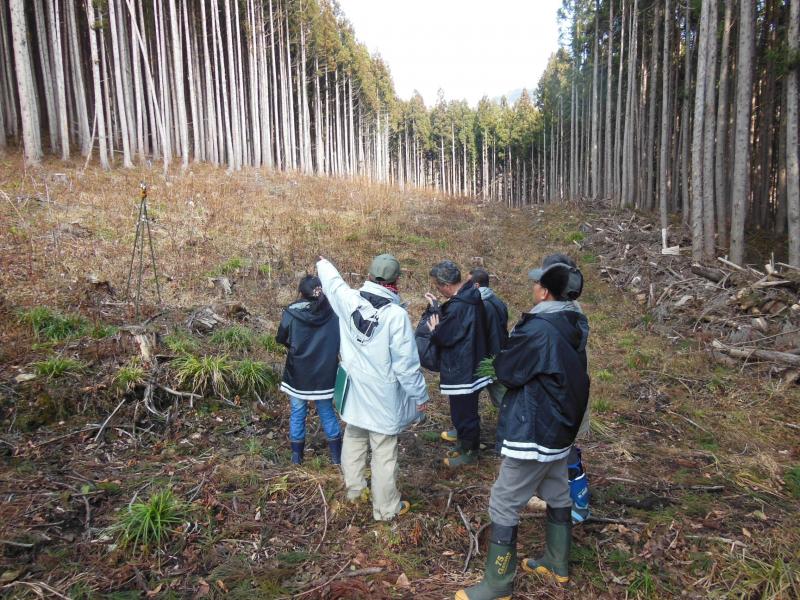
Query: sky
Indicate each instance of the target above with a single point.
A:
(468, 48)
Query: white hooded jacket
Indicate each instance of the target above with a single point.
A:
(379, 353)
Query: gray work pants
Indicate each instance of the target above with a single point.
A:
(519, 480)
(385, 495)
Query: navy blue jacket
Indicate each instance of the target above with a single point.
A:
(496, 323)
(544, 369)
(462, 339)
(311, 334)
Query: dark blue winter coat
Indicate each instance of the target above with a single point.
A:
(462, 339)
(310, 332)
(544, 368)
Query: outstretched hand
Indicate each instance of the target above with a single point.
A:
(433, 322)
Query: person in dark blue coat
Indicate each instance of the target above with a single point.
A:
(310, 331)
(544, 368)
(459, 332)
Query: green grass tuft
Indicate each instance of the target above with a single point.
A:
(231, 266)
(205, 374)
(253, 378)
(234, 339)
(268, 343)
(150, 523)
(101, 331)
(793, 481)
(58, 366)
(179, 342)
(49, 325)
(129, 376)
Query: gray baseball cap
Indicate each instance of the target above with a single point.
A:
(385, 267)
(564, 281)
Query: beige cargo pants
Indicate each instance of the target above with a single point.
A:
(385, 495)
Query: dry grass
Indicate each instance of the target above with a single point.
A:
(668, 419)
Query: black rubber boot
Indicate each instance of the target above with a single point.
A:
(335, 447)
(298, 448)
(501, 564)
(558, 536)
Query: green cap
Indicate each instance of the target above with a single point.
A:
(385, 267)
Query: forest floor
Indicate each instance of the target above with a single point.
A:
(694, 464)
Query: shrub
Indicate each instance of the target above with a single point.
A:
(49, 325)
(204, 374)
(58, 366)
(235, 338)
(151, 522)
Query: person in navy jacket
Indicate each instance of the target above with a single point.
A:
(544, 368)
(460, 333)
(310, 331)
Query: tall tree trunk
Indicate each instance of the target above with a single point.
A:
(709, 246)
(60, 85)
(720, 161)
(792, 145)
(26, 85)
(595, 125)
(607, 180)
(666, 133)
(697, 134)
(652, 84)
(618, 121)
(113, 23)
(99, 113)
(740, 190)
(44, 43)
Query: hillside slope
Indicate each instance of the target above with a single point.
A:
(694, 466)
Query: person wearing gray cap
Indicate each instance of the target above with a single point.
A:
(544, 368)
(386, 389)
(461, 336)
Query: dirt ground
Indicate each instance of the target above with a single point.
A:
(694, 464)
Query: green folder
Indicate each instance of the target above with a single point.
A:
(340, 389)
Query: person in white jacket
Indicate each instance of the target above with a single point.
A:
(386, 390)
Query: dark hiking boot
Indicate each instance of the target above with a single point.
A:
(501, 563)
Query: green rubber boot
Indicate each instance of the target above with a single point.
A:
(558, 536)
(501, 563)
(461, 458)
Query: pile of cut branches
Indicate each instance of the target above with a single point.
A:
(740, 312)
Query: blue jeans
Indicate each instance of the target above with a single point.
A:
(297, 420)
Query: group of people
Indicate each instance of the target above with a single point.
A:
(360, 346)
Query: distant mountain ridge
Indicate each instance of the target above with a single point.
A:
(513, 95)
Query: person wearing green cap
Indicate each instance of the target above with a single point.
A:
(386, 390)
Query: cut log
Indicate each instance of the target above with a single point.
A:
(715, 275)
(767, 355)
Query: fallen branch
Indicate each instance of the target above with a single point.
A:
(325, 508)
(105, 423)
(16, 544)
(473, 541)
(766, 355)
